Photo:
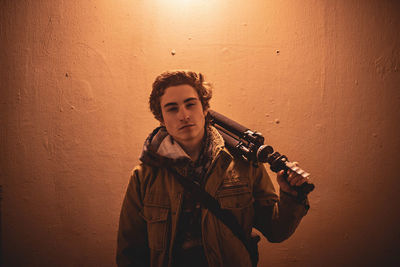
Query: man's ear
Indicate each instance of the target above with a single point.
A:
(205, 112)
(162, 122)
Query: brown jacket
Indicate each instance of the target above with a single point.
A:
(152, 204)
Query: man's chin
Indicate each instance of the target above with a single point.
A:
(187, 137)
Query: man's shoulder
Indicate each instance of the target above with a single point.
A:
(238, 160)
(235, 164)
(144, 170)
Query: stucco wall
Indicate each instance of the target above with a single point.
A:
(320, 79)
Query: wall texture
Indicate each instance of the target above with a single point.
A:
(320, 79)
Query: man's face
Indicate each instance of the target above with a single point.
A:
(183, 114)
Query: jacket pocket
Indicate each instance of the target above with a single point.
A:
(237, 197)
(238, 200)
(156, 215)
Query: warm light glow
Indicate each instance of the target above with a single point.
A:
(181, 1)
(185, 5)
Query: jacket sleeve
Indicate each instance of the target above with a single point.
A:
(132, 246)
(276, 218)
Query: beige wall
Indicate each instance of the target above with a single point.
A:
(75, 80)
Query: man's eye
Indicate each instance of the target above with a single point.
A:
(172, 109)
(190, 104)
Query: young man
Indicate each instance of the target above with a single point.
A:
(161, 224)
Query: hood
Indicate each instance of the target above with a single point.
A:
(160, 149)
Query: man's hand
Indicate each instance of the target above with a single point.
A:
(288, 183)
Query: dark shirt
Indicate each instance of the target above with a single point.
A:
(188, 246)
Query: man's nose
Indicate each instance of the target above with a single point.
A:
(183, 113)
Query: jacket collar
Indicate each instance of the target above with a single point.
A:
(160, 148)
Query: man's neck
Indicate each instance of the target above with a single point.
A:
(193, 150)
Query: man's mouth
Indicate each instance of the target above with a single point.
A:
(186, 126)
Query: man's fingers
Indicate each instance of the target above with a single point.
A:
(291, 175)
(301, 181)
(295, 179)
(281, 175)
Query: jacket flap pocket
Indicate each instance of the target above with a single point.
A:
(155, 214)
(156, 208)
(235, 198)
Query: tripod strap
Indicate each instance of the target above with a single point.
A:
(225, 216)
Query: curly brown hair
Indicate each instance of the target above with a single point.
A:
(174, 78)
